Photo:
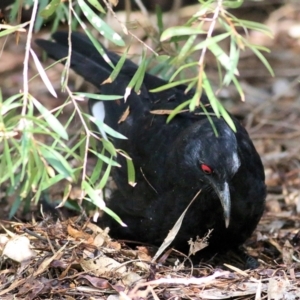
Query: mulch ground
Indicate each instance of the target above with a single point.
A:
(78, 260)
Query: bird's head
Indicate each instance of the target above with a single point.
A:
(212, 160)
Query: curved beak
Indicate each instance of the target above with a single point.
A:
(223, 193)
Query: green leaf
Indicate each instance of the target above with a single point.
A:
(210, 41)
(107, 160)
(57, 161)
(97, 5)
(10, 167)
(45, 184)
(10, 104)
(196, 99)
(138, 77)
(104, 178)
(130, 167)
(99, 96)
(13, 29)
(209, 119)
(114, 216)
(177, 110)
(53, 123)
(119, 66)
(180, 69)
(253, 26)
(39, 21)
(223, 58)
(227, 117)
(179, 31)
(210, 95)
(109, 147)
(159, 17)
(99, 24)
(263, 60)
(50, 9)
(96, 171)
(106, 128)
(15, 206)
(186, 48)
(234, 59)
(95, 198)
(130, 172)
(43, 74)
(170, 85)
(238, 87)
(233, 4)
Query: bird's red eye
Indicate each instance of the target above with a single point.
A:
(206, 169)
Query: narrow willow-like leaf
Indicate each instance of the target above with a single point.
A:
(50, 9)
(177, 110)
(106, 128)
(57, 161)
(130, 167)
(43, 74)
(99, 96)
(107, 160)
(15, 206)
(263, 60)
(210, 95)
(97, 5)
(109, 147)
(100, 25)
(234, 59)
(94, 196)
(179, 31)
(181, 68)
(170, 85)
(186, 48)
(13, 29)
(138, 76)
(130, 172)
(238, 87)
(227, 117)
(114, 216)
(223, 58)
(52, 121)
(45, 184)
(159, 18)
(210, 41)
(140, 73)
(6, 108)
(8, 162)
(26, 151)
(96, 171)
(119, 66)
(196, 99)
(105, 176)
(253, 25)
(233, 4)
(209, 119)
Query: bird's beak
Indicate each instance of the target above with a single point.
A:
(223, 193)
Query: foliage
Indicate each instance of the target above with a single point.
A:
(32, 166)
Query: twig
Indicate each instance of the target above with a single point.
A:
(176, 281)
(26, 58)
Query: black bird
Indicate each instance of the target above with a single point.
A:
(172, 161)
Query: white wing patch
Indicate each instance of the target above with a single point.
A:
(98, 111)
(236, 162)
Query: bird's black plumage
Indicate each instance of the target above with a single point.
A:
(172, 161)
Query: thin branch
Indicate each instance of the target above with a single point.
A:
(26, 57)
